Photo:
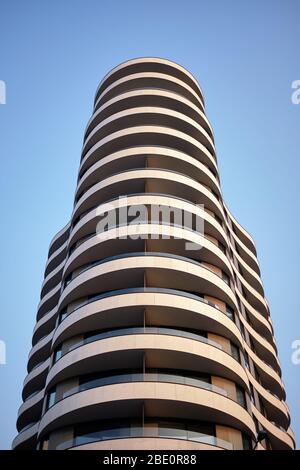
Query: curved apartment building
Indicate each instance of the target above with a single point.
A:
(152, 335)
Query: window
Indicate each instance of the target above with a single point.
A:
(194, 293)
(268, 444)
(235, 351)
(251, 344)
(240, 395)
(242, 330)
(247, 443)
(93, 432)
(256, 423)
(62, 315)
(256, 374)
(246, 358)
(99, 379)
(225, 278)
(68, 279)
(230, 312)
(262, 407)
(218, 219)
(247, 317)
(222, 247)
(100, 431)
(51, 398)
(252, 393)
(215, 194)
(57, 353)
(44, 444)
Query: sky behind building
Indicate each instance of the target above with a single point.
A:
(53, 54)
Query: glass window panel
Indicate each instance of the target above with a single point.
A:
(240, 394)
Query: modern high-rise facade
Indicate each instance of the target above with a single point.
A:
(152, 335)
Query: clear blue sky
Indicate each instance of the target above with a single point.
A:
(53, 54)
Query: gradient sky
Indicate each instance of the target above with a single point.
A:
(53, 55)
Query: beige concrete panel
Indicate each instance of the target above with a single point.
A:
(186, 312)
(195, 400)
(90, 219)
(227, 385)
(175, 180)
(52, 279)
(179, 158)
(224, 342)
(265, 322)
(280, 439)
(31, 402)
(279, 407)
(181, 271)
(36, 372)
(189, 354)
(231, 435)
(271, 377)
(146, 443)
(56, 242)
(169, 82)
(55, 259)
(23, 437)
(175, 243)
(145, 60)
(42, 325)
(269, 350)
(199, 151)
(169, 98)
(247, 238)
(163, 116)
